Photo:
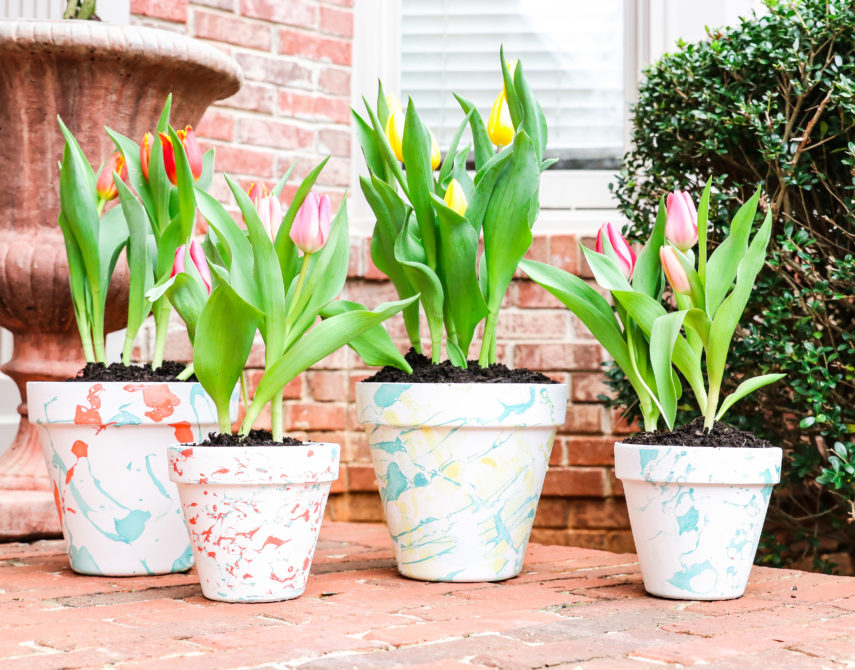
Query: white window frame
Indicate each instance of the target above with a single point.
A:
(110, 11)
(572, 201)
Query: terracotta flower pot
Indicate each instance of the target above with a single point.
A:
(105, 445)
(92, 74)
(460, 468)
(254, 514)
(696, 515)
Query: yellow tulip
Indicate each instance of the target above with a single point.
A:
(500, 128)
(395, 131)
(435, 155)
(455, 198)
(393, 103)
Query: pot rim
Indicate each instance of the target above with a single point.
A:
(458, 384)
(699, 449)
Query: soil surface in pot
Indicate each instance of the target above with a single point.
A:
(694, 435)
(256, 438)
(118, 372)
(426, 372)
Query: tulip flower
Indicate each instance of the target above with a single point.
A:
(681, 226)
(191, 148)
(197, 255)
(256, 191)
(624, 252)
(455, 198)
(435, 155)
(178, 261)
(145, 153)
(500, 128)
(674, 271)
(311, 226)
(395, 132)
(105, 186)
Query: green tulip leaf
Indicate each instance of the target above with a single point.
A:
(131, 152)
(139, 263)
(533, 120)
(647, 276)
(514, 104)
(703, 218)
(374, 347)
(480, 137)
(277, 189)
(188, 296)
(416, 151)
(386, 149)
(450, 157)
(663, 337)
(744, 389)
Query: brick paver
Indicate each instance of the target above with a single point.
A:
(571, 608)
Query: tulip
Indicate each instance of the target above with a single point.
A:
(435, 155)
(270, 213)
(191, 148)
(311, 226)
(393, 103)
(106, 186)
(178, 261)
(455, 198)
(256, 191)
(681, 226)
(624, 252)
(145, 152)
(197, 255)
(500, 127)
(674, 271)
(395, 132)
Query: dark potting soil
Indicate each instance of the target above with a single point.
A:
(255, 438)
(426, 372)
(118, 372)
(694, 435)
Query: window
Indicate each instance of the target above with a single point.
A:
(572, 51)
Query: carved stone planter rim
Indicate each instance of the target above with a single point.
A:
(133, 42)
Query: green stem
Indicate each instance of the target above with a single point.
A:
(86, 341)
(224, 420)
(98, 336)
(128, 348)
(304, 268)
(488, 343)
(276, 416)
(712, 406)
(161, 310)
(100, 207)
(243, 386)
(186, 373)
(252, 412)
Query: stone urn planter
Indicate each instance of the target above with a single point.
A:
(696, 515)
(254, 514)
(91, 74)
(460, 469)
(105, 445)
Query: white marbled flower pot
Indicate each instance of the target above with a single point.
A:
(105, 446)
(460, 469)
(254, 514)
(696, 515)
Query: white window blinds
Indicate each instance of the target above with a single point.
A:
(572, 51)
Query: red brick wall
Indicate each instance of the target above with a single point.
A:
(296, 56)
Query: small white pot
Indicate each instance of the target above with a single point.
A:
(254, 514)
(460, 469)
(696, 515)
(105, 447)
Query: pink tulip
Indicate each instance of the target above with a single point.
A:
(311, 227)
(178, 263)
(674, 271)
(270, 213)
(625, 254)
(681, 226)
(197, 255)
(256, 191)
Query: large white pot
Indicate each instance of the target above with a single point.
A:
(105, 447)
(254, 514)
(460, 469)
(696, 515)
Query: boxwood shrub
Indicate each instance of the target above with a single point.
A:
(771, 103)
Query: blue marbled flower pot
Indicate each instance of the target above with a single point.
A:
(460, 469)
(696, 515)
(105, 446)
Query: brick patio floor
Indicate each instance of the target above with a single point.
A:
(570, 608)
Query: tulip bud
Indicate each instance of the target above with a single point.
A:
(455, 198)
(106, 186)
(393, 103)
(624, 252)
(178, 261)
(270, 213)
(197, 255)
(168, 158)
(311, 226)
(145, 152)
(681, 226)
(395, 132)
(435, 155)
(256, 191)
(191, 149)
(500, 127)
(674, 271)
